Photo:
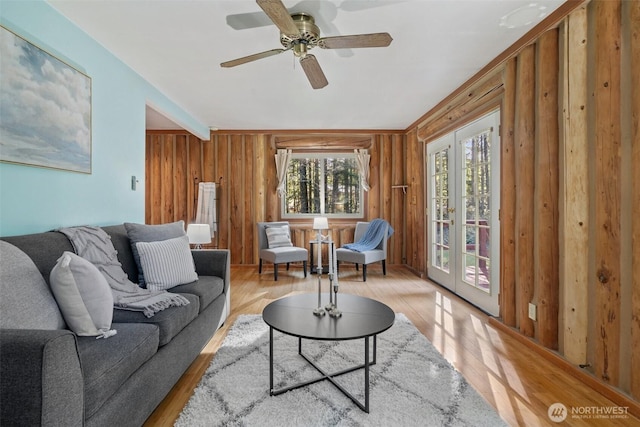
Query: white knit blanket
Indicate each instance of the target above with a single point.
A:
(94, 245)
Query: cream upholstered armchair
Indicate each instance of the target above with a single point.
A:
(274, 242)
(364, 250)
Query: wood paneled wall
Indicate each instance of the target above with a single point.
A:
(570, 108)
(243, 163)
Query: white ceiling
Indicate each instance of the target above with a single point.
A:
(178, 45)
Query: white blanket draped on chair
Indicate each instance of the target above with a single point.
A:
(206, 211)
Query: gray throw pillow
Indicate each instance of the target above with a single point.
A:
(26, 301)
(151, 233)
(167, 263)
(83, 295)
(278, 236)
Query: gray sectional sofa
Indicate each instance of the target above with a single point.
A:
(50, 376)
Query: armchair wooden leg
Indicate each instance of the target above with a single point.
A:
(357, 267)
(275, 272)
(304, 268)
(260, 266)
(384, 267)
(287, 266)
(364, 272)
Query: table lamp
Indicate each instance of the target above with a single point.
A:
(320, 223)
(199, 234)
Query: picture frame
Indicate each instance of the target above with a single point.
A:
(46, 108)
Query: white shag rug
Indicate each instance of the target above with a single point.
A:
(410, 385)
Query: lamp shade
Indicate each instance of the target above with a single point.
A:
(199, 233)
(320, 223)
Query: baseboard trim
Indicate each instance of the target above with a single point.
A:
(616, 396)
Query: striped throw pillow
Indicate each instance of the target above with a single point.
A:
(167, 263)
(278, 236)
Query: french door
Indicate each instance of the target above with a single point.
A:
(463, 198)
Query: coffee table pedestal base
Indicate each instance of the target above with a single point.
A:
(328, 376)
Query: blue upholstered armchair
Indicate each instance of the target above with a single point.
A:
(379, 253)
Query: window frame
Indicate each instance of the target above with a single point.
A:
(324, 155)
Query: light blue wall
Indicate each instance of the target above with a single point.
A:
(35, 199)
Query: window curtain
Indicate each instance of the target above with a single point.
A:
(283, 157)
(362, 159)
(206, 210)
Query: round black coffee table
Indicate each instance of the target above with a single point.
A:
(361, 318)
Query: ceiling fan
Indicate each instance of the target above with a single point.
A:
(299, 33)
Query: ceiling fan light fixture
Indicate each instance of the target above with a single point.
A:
(299, 33)
(308, 32)
(300, 49)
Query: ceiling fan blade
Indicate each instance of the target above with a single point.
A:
(355, 41)
(279, 14)
(253, 57)
(313, 71)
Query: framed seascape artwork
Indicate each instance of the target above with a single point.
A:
(45, 107)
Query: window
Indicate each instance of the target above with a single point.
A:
(323, 184)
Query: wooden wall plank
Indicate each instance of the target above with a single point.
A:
(168, 185)
(222, 158)
(194, 167)
(208, 159)
(259, 207)
(524, 165)
(271, 182)
(546, 273)
(508, 192)
(374, 194)
(462, 106)
(607, 104)
(236, 190)
(248, 184)
(180, 177)
(574, 191)
(398, 200)
(634, 21)
(153, 179)
(415, 213)
(386, 151)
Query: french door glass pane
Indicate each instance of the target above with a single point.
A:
(476, 230)
(439, 209)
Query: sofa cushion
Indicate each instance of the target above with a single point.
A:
(206, 288)
(166, 263)
(107, 364)
(151, 233)
(170, 320)
(44, 249)
(83, 295)
(26, 302)
(122, 244)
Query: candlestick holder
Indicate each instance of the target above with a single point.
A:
(319, 224)
(319, 311)
(335, 312)
(332, 307)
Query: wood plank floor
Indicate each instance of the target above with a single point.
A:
(516, 381)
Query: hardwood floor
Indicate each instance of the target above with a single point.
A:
(515, 380)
